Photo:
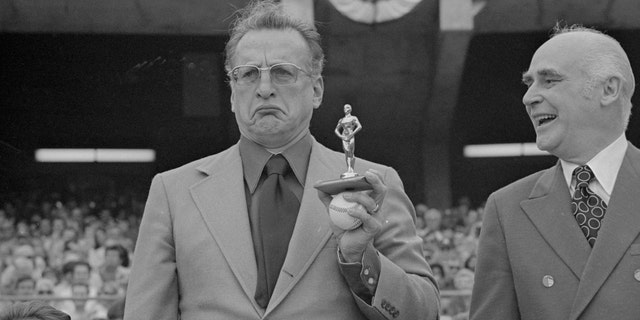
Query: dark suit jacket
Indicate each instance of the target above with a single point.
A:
(194, 253)
(529, 233)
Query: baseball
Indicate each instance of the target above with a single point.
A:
(338, 212)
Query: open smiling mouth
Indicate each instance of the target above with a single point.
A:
(541, 120)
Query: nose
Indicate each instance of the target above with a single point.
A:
(265, 87)
(531, 97)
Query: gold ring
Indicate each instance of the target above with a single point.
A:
(376, 209)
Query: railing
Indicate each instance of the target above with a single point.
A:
(57, 298)
(455, 293)
(443, 293)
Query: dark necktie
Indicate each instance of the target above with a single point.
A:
(277, 212)
(588, 207)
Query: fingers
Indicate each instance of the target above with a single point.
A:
(379, 188)
(362, 198)
(370, 224)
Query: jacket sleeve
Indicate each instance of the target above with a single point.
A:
(154, 295)
(493, 295)
(405, 288)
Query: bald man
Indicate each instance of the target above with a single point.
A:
(564, 243)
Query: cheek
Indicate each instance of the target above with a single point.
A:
(240, 99)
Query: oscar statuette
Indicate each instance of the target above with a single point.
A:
(350, 181)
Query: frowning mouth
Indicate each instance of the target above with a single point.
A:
(267, 109)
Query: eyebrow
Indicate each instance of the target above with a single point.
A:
(527, 76)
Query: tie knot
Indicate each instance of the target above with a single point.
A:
(277, 164)
(583, 175)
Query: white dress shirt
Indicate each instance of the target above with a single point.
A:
(605, 166)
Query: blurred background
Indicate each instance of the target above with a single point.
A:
(428, 80)
(444, 75)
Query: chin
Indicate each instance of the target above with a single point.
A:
(543, 144)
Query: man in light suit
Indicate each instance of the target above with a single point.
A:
(199, 253)
(543, 252)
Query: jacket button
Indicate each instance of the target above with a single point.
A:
(636, 274)
(548, 281)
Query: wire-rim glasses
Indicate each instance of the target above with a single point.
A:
(280, 73)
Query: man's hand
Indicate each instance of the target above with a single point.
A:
(352, 243)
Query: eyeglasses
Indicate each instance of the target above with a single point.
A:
(280, 73)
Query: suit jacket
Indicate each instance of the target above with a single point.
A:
(194, 257)
(535, 263)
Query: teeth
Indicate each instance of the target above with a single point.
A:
(544, 118)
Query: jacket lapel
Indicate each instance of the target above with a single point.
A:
(312, 230)
(549, 209)
(220, 197)
(620, 226)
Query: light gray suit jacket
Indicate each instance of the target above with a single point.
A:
(529, 232)
(194, 257)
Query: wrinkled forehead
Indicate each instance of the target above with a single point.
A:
(272, 46)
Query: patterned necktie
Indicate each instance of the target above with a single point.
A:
(277, 212)
(587, 207)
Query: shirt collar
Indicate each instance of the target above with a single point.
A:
(605, 165)
(254, 157)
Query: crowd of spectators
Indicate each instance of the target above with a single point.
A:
(450, 239)
(79, 243)
(73, 243)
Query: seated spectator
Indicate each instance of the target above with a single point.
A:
(115, 235)
(83, 308)
(465, 246)
(44, 228)
(440, 275)
(96, 252)
(54, 244)
(116, 267)
(471, 224)
(111, 288)
(44, 289)
(430, 252)
(73, 248)
(78, 272)
(34, 310)
(432, 233)
(463, 279)
(458, 306)
(21, 265)
(52, 274)
(25, 286)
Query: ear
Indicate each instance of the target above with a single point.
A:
(611, 90)
(318, 91)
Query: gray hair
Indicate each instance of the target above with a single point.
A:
(604, 59)
(34, 310)
(268, 15)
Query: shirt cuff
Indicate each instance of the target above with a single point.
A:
(362, 277)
